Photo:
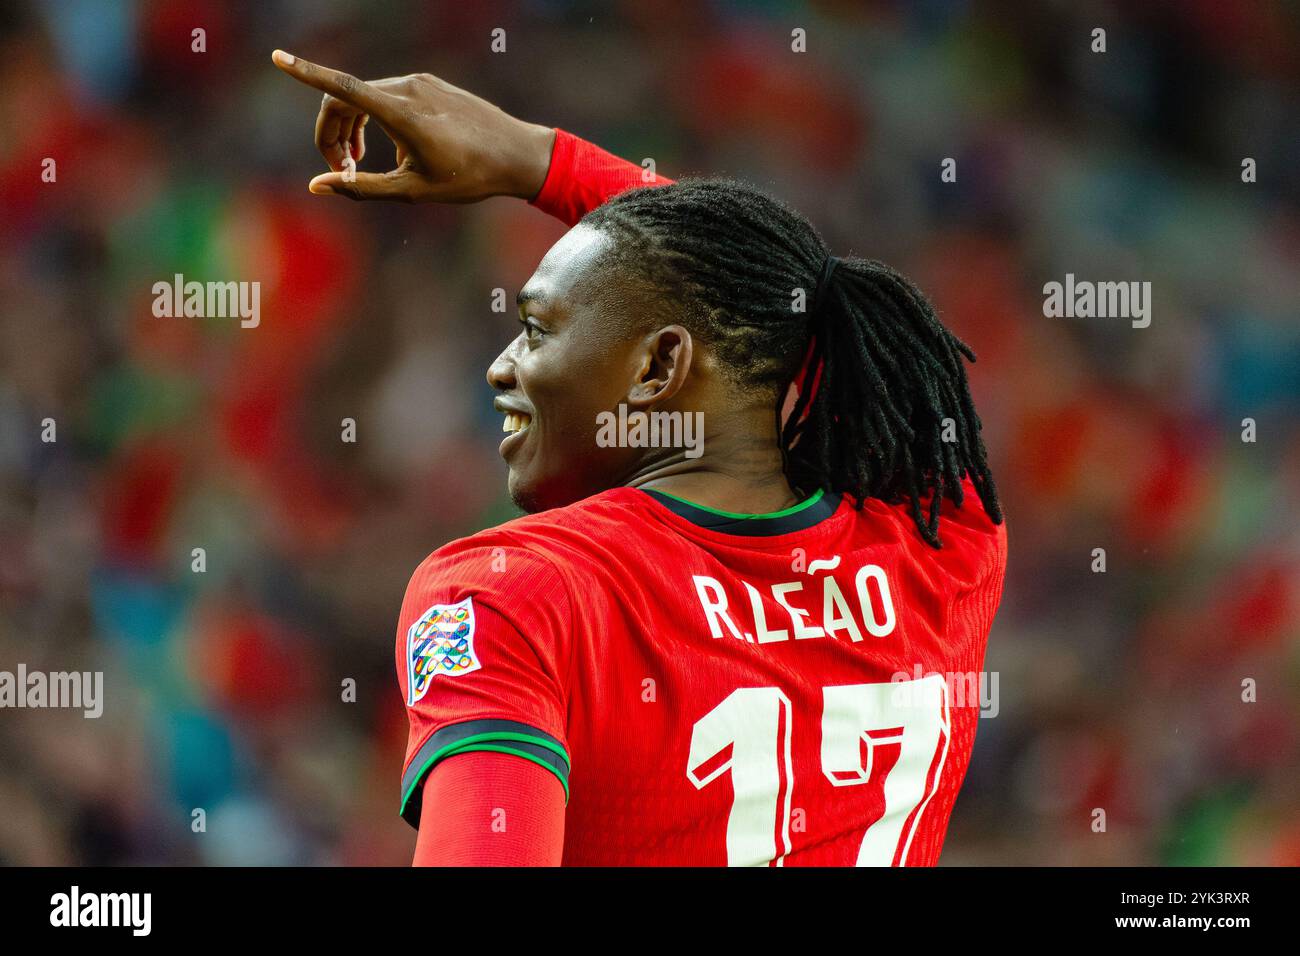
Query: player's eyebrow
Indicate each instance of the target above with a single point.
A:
(529, 296)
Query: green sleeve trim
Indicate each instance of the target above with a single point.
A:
(501, 749)
(493, 735)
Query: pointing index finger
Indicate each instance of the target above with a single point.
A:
(344, 86)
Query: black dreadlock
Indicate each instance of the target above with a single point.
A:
(731, 260)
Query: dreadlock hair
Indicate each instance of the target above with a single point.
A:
(885, 374)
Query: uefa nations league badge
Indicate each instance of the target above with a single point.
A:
(441, 641)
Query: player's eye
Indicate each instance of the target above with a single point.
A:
(532, 331)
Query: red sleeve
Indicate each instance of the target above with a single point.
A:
(482, 660)
(491, 810)
(582, 176)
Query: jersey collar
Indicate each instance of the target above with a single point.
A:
(798, 517)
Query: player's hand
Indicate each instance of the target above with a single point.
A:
(452, 146)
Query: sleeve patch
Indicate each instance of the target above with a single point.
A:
(440, 642)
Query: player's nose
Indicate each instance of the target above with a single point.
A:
(501, 373)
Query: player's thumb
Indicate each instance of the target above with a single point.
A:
(397, 185)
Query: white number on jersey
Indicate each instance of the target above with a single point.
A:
(756, 722)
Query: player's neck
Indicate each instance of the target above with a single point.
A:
(738, 469)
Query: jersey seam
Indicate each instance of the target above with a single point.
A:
(572, 635)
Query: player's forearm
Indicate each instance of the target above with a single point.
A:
(531, 147)
(582, 176)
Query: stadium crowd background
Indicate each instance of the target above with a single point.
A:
(1118, 690)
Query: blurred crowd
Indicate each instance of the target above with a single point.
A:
(252, 715)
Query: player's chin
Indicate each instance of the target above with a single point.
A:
(522, 495)
(526, 493)
(532, 495)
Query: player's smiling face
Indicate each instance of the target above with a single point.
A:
(571, 360)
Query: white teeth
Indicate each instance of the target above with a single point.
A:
(515, 423)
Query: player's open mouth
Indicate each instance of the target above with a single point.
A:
(516, 422)
(516, 426)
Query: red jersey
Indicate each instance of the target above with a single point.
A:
(787, 689)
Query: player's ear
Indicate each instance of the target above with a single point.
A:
(664, 362)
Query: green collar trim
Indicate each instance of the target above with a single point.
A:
(797, 517)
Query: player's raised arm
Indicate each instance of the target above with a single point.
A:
(582, 176)
(453, 146)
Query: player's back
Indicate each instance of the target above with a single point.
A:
(798, 688)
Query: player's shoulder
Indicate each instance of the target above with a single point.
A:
(561, 539)
(974, 545)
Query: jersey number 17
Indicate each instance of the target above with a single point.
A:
(756, 723)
